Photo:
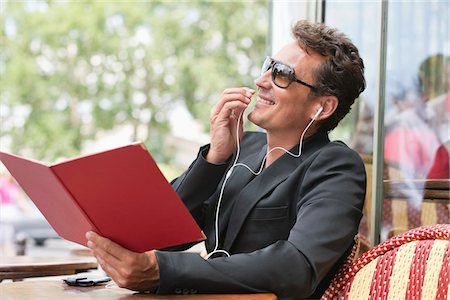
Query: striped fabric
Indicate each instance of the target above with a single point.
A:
(400, 215)
(412, 265)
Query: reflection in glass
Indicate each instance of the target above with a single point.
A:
(417, 108)
(417, 117)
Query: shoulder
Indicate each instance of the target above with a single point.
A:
(338, 153)
(336, 172)
(341, 147)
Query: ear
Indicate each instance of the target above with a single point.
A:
(328, 104)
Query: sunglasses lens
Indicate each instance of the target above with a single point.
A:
(281, 75)
(266, 65)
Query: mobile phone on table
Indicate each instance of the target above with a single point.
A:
(87, 280)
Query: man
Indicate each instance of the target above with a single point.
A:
(286, 220)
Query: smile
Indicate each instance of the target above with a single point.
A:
(266, 102)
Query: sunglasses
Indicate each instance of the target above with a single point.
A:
(282, 75)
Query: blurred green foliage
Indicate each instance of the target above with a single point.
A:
(74, 70)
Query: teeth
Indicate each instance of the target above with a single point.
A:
(266, 101)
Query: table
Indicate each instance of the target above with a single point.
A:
(57, 290)
(19, 267)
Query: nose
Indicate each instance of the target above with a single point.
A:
(263, 81)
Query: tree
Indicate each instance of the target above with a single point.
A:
(71, 71)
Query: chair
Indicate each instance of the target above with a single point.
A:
(412, 203)
(364, 227)
(412, 265)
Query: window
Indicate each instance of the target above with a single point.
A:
(417, 116)
(417, 107)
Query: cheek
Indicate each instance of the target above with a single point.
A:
(292, 102)
(292, 114)
(290, 106)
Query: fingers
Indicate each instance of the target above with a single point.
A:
(103, 244)
(230, 110)
(102, 248)
(233, 98)
(136, 271)
(224, 123)
(112, 272)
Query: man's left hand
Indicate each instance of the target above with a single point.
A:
(131, 270)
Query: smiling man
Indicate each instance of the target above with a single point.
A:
(281, 208)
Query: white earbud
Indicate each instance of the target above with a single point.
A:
(318, 112)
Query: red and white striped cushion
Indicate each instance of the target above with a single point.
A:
(412, 265)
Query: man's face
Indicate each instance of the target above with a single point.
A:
(286, 110)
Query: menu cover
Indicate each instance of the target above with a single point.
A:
(120, 194)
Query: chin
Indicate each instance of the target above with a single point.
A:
(253, 117)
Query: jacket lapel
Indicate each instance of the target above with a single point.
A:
(255, 190)
(240, 178)
(265, 183)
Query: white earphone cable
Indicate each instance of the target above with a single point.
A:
(235, 164)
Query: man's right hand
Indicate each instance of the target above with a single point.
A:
(224, 120)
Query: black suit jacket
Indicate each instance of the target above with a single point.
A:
(287, 229)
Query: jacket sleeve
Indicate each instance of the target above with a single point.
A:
(329, 210)
(198, 183)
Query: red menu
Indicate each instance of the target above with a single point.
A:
(120, 194)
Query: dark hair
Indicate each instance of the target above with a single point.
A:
(342, 72)
(433, 76)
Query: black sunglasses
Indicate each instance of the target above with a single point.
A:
(282, 75)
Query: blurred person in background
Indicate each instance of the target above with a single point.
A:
(416, 143)
(438, 110)
(12, 208)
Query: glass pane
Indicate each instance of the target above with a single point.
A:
(358, 20)
(417, 118)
